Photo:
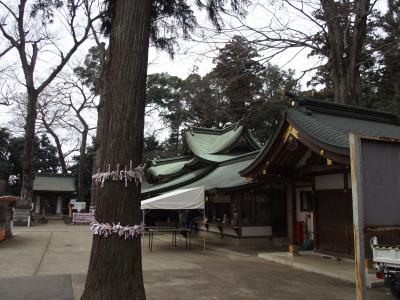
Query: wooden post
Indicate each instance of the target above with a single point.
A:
(358, 215)
(293, 248)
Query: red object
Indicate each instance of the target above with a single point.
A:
(2, 234)
(299, 233)
(380, 275)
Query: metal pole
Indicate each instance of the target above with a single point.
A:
(358, 215)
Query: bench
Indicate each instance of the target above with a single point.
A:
(22, 216)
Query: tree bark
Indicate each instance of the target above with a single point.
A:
(97, 143)
(27, 166)
(96, 159)
(115, 268)
(81, 168)
(345, 44)
(60, 152)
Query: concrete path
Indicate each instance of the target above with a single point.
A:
(61, 252)
(309, 261)
(36, 287)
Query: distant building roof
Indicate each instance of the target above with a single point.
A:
(225, 175)
(204, 147)
(54, 183)
(202, 141)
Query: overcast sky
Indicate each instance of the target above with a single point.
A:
(194, 54)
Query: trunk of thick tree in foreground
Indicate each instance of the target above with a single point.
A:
(27, 166)
(115, 268)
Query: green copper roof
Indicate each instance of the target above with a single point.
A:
(163, 168)
(176, 182)
(211, 142)
(223, 176)
(202, 147)
(218, 157)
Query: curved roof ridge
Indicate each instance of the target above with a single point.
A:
(239, 129)
(167, 160)
(204, 142)
(343, 110)
(216, 131)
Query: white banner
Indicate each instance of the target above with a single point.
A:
(82, 217)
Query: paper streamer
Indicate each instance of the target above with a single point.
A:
(128, 232)
(136, 175)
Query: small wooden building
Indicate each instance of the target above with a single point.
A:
(52, 193)
(238, 211)
(309, 153)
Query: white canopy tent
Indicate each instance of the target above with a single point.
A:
(193, 198)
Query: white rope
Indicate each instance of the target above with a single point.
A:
(136, 175)
(122, 231)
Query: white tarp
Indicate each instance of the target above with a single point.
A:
(179, 199)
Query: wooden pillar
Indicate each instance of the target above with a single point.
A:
(37, 204)
(358, 215)
(59, 204)
(292, 216)
(315, 214)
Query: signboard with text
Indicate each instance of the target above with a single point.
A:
(82, 218)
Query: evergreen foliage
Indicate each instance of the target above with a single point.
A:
(45, 158)
(238, 89)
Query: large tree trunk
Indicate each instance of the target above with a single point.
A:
(27, 167)
(115, 268)
(81, 168)
(346, 39)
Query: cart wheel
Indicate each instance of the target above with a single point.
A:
(395, 289)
